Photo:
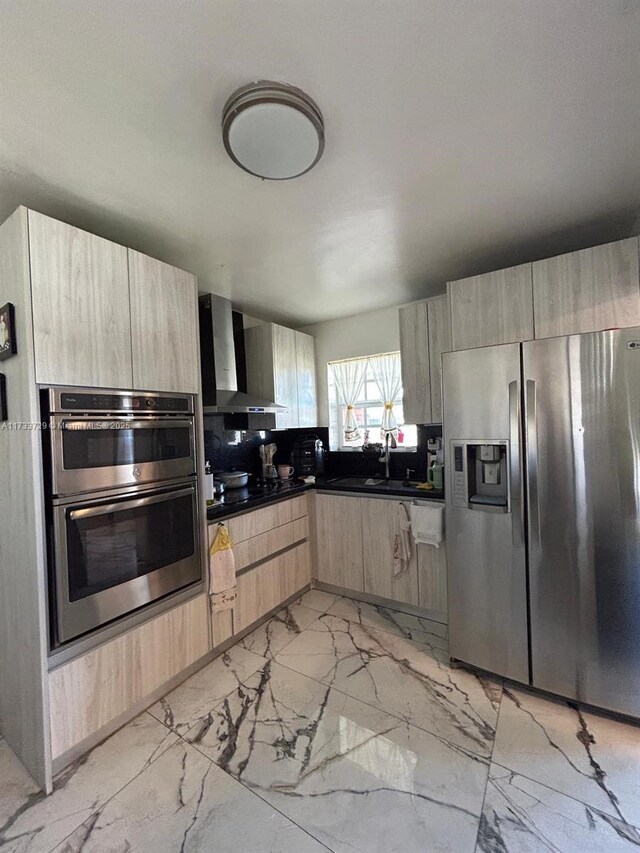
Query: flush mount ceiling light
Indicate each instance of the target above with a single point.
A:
(273, 130)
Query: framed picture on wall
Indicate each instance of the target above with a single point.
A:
(7, 332)
(3, 398)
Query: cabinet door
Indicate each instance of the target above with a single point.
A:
(339, 541)
(439, 342)
(306, 377)
(587, 291)
(414, 359)
(80, 293)
(164, 333)
(432, 579)
(380, 526)
(496, 308)
(285, 375)
(101, 686)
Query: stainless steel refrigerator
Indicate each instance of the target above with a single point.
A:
(543, 513)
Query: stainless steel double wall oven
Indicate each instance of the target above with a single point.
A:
(122, 503)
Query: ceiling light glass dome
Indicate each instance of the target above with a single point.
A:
(273, 130)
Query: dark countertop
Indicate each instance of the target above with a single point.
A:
(236, 501)
(390, 487)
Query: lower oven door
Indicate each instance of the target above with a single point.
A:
(117, 553)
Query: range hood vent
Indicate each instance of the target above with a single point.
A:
(222, 361)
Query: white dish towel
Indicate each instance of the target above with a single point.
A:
(427, 523)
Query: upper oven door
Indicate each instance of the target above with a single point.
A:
(89, 454)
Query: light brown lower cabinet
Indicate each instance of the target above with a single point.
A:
(221, 626)
(266, 586)
(432, 579)
(92, 691)
(355, 543)
(380, 525)
(339, 541)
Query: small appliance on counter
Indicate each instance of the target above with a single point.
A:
(307, 456)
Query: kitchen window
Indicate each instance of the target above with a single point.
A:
(355, 380)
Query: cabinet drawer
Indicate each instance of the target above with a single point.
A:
(261, 547)
(261, 520)
(268, 585)
(91, 691)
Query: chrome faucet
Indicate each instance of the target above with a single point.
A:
(389, 436)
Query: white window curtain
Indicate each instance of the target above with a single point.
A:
(349, 379)
(387, 373)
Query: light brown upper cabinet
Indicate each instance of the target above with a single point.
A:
(587, 291)
(495, 308)
(306, 376)
(414, 359)
(439, 342)
(425, 333)
(281, 368)
(80, 294)
(164, 326)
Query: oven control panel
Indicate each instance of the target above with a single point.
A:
(116, 403)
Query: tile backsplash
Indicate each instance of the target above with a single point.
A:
(354, 463)
(230, 449)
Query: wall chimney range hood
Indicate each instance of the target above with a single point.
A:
(222, 361)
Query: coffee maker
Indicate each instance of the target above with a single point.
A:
(307, 456)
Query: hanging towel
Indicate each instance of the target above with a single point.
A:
(402, 540)
(222, 571)
(427, 523)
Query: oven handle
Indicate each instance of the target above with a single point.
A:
(101, 509)
(152, 423)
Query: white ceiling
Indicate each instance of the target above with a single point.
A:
(462, 135)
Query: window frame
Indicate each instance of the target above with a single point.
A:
(336, 410)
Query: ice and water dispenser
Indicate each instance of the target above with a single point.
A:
(480, 475)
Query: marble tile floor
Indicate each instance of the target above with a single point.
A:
(339, 726)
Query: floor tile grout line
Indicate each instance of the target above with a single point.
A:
(294, 637)
(221, 699)
(333, 687)
(486, 785)
(103, 805)
(252, 791)
(563, 794)
(383, 629)
(475, 755)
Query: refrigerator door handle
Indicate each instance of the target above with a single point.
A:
(515, 480)
(532, 460)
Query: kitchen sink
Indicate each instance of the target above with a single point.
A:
(377, 484)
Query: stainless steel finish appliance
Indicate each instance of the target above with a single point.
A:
(580, 465)
(223, 362)
(486, 557)
(120, 551)
(122, 504)
(107, 439)
(307, 456)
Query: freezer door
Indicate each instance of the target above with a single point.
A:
(485, 543)
(582, 414)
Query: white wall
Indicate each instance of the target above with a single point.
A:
(349, 337)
